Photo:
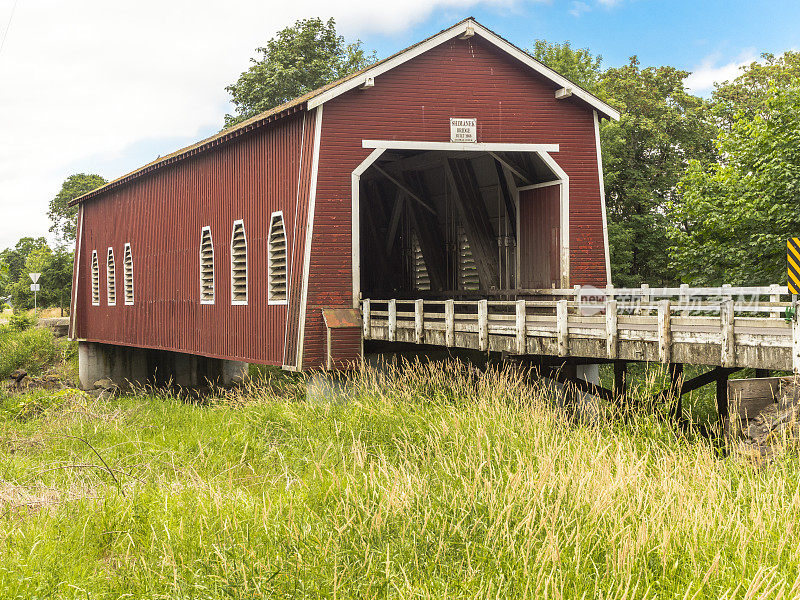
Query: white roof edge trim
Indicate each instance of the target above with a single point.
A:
(455, 31)
(458, 146)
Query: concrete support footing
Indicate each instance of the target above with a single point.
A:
(128, 367)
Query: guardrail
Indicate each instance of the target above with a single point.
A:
(724, 326)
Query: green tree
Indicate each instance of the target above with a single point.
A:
(747, 95)
(579, 66)
(64, 217)
(297, 60)
(738, 212)
(645, 154)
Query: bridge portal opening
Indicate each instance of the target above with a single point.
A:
(456, 224)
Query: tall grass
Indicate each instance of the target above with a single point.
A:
(434, 481)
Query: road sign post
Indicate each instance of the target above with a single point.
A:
(34, 287)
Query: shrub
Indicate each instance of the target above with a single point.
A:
(31, 349)
(21, 321)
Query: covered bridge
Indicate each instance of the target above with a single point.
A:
(458, 168)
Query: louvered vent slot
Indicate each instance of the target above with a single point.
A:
(421, 280)
(206, 267)
(238, 264)
(95, 279)
(277, 259)
(467, 271)
(111, 278)
(128, 274)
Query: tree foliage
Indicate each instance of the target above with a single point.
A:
(297, 60)
(645, 153)
(34, 255)
(738, 212)
(64, 217)
(579, 66)
(747, 95)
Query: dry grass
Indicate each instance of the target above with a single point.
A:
(431, 482)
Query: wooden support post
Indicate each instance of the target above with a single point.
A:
(562, 324)
(727, 353)
(611, 329)
(483, 324)
(392, 320)
(419, 321)
(722, 398)
(664, 332)
(675, 388)
(522, 325)
(449, 323)
(367, 318)
(620, 367)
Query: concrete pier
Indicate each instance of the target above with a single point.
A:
(127, 366)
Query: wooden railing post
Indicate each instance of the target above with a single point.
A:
(684, 298)
(645, 296)
(562, 325)
(611, 329)
(419, 321)
(774, 297)
(664, 332)
(727, 350)
(449, 323)
(392, 319)
(483, 324)
(522, 325)
(367, 319)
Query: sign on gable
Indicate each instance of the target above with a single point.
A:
(463, 130)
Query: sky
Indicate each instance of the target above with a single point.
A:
(104, 87)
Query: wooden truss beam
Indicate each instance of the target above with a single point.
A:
(475, 218)
(429, 234)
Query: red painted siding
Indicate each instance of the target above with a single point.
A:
(539, 237)
(161, 214)
(414, 101)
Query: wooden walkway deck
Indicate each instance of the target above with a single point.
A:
(724, 327)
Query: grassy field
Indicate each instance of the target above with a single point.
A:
(433, 482)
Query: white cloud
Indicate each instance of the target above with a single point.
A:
(702, 79)
(578, 8)
(82, 82)
(610, 3)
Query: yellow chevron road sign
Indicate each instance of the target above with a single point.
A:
(793, 264)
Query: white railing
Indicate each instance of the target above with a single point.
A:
(739, 321)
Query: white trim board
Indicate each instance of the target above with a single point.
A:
(602, 197)
(470, 27)
(458, 146)
(355, 234)
(312, 201)
(77, 278)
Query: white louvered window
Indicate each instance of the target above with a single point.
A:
(128, 274)
(467, 271)
(111, 278)
(277, 260)
(421, 280)
(238, 264)
(95, 279)
(206, 267)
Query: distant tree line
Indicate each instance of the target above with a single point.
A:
(698, 191)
